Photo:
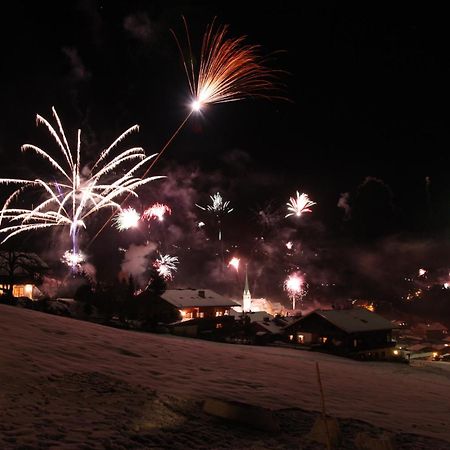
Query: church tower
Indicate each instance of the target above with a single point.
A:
(246, 297)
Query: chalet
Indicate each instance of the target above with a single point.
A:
(431, 331)
(20, 273)
(436, 331)
(198, 303)
(346, 332)
(214, 328)
(266, 330)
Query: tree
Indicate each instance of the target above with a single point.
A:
(157, 284)
(17, 266)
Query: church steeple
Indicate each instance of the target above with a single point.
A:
(246, 297)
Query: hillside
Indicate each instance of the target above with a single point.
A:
(73, 384)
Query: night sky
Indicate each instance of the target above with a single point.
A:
(364, 125)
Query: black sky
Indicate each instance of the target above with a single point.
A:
(368, 113)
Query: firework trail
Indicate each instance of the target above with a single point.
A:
(73, 194)
(298, 206)
(166, 265)
(126, 219)
(229, 70)
(157, 211)
(295, 287)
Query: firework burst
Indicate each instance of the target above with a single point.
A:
(157, 211)
(218, 206)
(298, 206)
(126, 219)
(75, 192)
(295, 287)
(229, 69)
(234, 262)
(166, 265)
(72, 259)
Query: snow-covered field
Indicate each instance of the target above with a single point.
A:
(71, 384)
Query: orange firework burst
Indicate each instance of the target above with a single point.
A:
(229, 70)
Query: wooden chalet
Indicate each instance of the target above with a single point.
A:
(20, 272)
(353, 332)
(198, 303)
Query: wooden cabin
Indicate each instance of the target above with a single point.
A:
(198, 303)
(21, 272)
(352, 332)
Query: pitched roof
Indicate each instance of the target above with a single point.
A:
(185, 298)
(353, 320)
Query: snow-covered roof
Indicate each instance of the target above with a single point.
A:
(185, 298)
(269, 326)
(353, 320)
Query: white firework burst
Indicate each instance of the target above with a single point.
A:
(73, 192)
(298, 206)
(166, 265)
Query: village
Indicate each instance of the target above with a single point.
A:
(351, 330)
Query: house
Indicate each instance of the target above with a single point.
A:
(352, 332)
(20, 273)
(214, 328)
(267, 330)
(436, 331)
(198, 303)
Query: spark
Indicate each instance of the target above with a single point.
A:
(289, 245)
(166, 265)
(298, 206)
(295, 287)
(126, 219)
(75, 192)
(229, 69)
(422, 272)
(234, 262)
(157, 211)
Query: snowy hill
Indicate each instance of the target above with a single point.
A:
(73, 384)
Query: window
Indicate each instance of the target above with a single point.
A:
(219, 325)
